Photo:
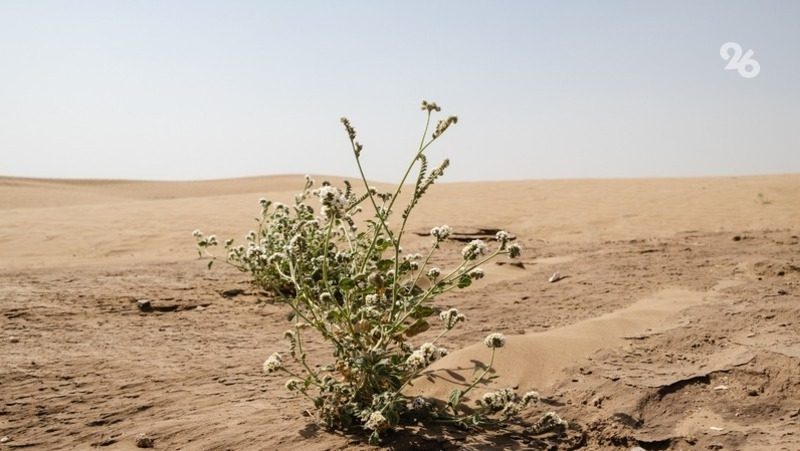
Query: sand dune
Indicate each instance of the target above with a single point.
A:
(56, 223)
(676, 287)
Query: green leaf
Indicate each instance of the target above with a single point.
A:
(346, 284)
(392, 417)
(374, 438)
(384, 265)
(455, 397)
(346, 418)
(210, 262)
(417, 328)
(383, 362)
(464, 281)
(423, 312)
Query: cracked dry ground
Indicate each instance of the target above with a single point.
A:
(82, 367)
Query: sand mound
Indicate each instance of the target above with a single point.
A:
(536, 361)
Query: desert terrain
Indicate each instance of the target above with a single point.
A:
(676, 325)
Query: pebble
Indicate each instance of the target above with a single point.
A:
(144, 441)
(5, 439)
(144, 305)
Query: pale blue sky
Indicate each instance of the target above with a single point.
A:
(200, 89)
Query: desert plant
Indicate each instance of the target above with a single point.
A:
(354, 285)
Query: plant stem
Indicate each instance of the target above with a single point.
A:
(478, 379)
(421, 149)
(325, 260)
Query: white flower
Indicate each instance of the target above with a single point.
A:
(431, 352)
(332, 197)
(476, 274)
(472, 250)
(416, 359)
(371, 312)
(451, 318)
(511, 409)
(503, 236)
(498, 400)
(514, 251)
(376, 421)
(273, 363)
(411, 257)
(551, 420)
(197, 233)
(489, 399)
(297, 243)
(441, 233)
(434, 272)
(495, 340)
(212, 240)
(419, 403)
(530, 397)
(342, 257)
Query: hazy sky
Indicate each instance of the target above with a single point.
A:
(199, 89)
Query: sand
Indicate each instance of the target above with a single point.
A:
(677, 326)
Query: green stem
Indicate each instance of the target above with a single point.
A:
(478, 379)
(474, 382)
(396, 242)
(303, 354)
(331, 220)
(422, 268)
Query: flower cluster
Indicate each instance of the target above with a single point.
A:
(474, 249)
(204, 241)
(550, 421)
(273, 363)
(495, 340)
(441, 233)
(443, 125)
(506, 403)
(376, 421)
(451, 317)
(332, 199)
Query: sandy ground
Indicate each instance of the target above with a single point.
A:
(677, 326)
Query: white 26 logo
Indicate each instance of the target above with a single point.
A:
(744, 64)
